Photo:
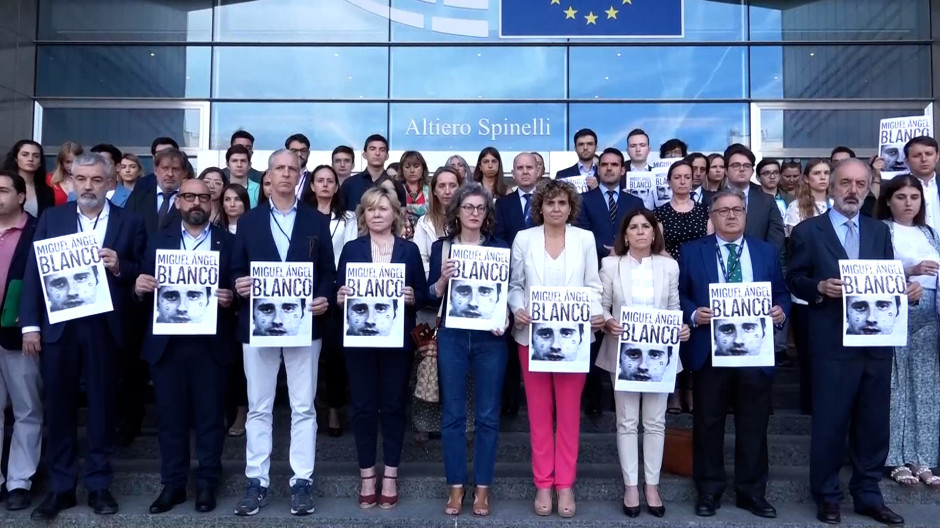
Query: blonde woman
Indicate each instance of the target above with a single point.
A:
(60, 179)
(431, 226)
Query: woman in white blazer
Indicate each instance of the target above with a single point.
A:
(553, 254)
(638, 275)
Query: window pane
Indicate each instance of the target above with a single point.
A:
(841, 20)
(326, 125)
(825, 128)
(122, 71)
(474, 126)
(478, 73)
(840, 72)
(300, 21)
(303, 73)
(667, 72)
(124, 127)
(135, 20)
(704, 126)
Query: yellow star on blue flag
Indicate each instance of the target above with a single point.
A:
(590, 18)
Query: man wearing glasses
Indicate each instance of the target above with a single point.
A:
(300, 145)
(763, 217)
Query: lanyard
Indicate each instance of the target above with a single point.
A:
(281, 229)
(737, 263)
(202, 238)
(339, 219)
(93, 227)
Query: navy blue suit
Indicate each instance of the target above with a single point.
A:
(572, 171)
(357, 184)
(310, 241)
(509, 217)
(90, 346)
(851, 387)
(11, 338)
(714, 388)
(595, 216)
(143, 203)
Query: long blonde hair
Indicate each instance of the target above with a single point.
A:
(69, 147)
(371, 198)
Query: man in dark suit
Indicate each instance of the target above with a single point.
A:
(189, 371)
(585, 144)
(638, 150)
(282, 230)
(150, 180)
(375, 154)
(88, 346)
(763, 217)
(728, 256)
(300, 145)
(851, 386)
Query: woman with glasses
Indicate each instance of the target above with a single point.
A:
(768, 174)
(216, 180)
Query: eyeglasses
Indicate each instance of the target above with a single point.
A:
(470, 209)
(770, 173)
(739, 166)
(300, 151)
(191, 197)
(725, 212)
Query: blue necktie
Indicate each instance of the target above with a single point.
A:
(526, 213)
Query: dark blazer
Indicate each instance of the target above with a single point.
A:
(144, 205)
(11, 338)
(595, 216)
(509, 217)
(707, 198)
(310, 241)
(815, 251)
(403, 252)
(764, 221)
(219, 345)
(125, 235)
(45, 197)
(356, 185)
(572, 171)
(698, 267)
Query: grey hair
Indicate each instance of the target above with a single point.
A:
(90, 159)
(471, 188)
(724, 193)
(463, 163)
(845, 163)
(277, 153)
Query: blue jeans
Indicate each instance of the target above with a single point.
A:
(484, 355)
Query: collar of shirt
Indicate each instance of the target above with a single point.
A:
(605, 190)
(193, 241)
(721, 241)
(838, 219)
(640, 168)
(19, 225)
(586, 171)
(103, 215)
(290, 210)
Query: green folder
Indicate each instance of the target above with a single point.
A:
(11, 305)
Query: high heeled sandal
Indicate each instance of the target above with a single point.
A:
(566, 504)
(543, 508)
(481, 501)
(367, 501)
(455, 502)
(388, 502)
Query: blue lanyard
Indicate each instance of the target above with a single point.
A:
(281, 229)
(202, 238)
(737, 263)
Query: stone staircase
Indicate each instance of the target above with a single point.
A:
(423, 491)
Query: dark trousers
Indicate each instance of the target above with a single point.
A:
(86, 348)
(713, 389)
(133, 374)
(378, 383)
(594, 383)
(332, 372)
(512, 379)
(189, 388)
(799, 322)
(851, 398)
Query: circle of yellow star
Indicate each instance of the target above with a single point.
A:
(570, 13)
(627, 2)
(591, 18)
(556, 2)
(611, 13)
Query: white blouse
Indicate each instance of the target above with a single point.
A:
(425, 237)
(641, 281)
(793, 216)
(555, 269)
(912, 247)
(342, 230)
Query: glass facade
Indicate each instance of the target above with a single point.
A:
(791, 78)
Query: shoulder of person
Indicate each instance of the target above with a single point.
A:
(494, 242)
(667, 263)
(610, 261)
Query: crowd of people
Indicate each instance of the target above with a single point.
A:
(788, 227)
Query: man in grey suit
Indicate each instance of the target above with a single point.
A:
(763, 217)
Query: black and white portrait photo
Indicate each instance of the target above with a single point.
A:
(371, 316)
(743, 341)
(74, 281)
(477, 293)
(278, 316)
(180, 304)
(559, 346)
(71, 288)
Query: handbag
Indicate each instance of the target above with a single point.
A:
(427, 382)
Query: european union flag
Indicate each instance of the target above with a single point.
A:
(590, 18)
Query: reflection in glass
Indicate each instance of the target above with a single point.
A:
(301, 72)
(300, 21)
(127, 20)
(124, 127)
(825, 128)
(840, 20)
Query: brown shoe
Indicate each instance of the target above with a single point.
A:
(481, 501)
(455, 503)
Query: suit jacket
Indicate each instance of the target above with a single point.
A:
(11, 338)
(222, 343)
(572, 171)
(310, 241)
(698, 268)
(356, 185)
(509, 217)
(144, 205)
(618, 292)
(764, 221)
(595, 216)
(707, 197)
(815, 252)
(527, 268)
(125, 235)
(403, 252)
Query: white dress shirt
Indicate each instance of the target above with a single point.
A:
(911, 247)
(200, 242)
(931, 201)
(747, 271)
(98, 224)
(282, 226)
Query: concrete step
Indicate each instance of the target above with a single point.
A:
(428, 513)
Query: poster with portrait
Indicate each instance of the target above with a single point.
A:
(642, 185)
(742, 329)
(73, 278)
(374, 313)
(579, 183)
(560, 333)
(281, 294)
(893, 134)
(662, 192)
(477, 293)
(185, 302)
(648, 356)
(874, 303)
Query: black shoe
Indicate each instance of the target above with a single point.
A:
(18, 499)
(828, 512)
(759, 507)
(205, 499)
(169, 497)
(50, 506)
(631, 511)
(102, 502)
(656, 511)
(706, 505)
(882, 514)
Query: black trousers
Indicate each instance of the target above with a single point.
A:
(86, 348)
(134, 375)
(713, 389)
(333, 383)
(593, 392)
(799, 321)
(189, 388)
(851, 398)
(512, 380)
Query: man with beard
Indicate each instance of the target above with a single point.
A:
(585, 144)
(189, 372)
(89, 346)
(300, 145)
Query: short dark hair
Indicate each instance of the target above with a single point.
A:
(236, 149)
(620, 243)
(676, 165)
(638, 132)
(925, 141)
(585, 132)
(697, 155)
(889, 187)
(765, 162)
(19, 184)
(343, 149)
(839, 149)
(791, 164)
(737, 148)
(241, 134)
(672, 144)
(163, 140)
(614, 152)
(110, 149)
(375, 137)
(300, 138)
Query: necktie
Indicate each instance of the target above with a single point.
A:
(525, 209)
(851, 239)
(165, 206)
(734, 266)
(612, 206)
